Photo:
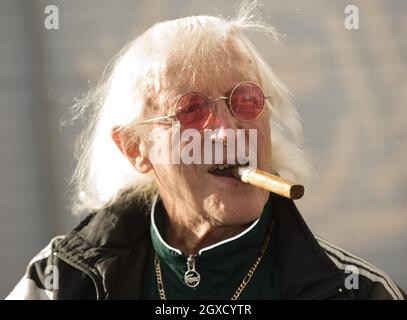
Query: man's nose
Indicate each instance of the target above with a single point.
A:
(223, 121)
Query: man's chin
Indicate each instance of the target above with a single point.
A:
(234, 205)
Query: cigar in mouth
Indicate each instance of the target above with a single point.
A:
(269, 182)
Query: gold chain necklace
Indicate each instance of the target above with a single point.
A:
(243, 284)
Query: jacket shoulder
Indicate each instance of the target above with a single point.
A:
(48, 278)
(365, 280)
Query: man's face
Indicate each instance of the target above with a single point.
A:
(222, 201)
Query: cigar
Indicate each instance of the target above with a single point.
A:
(267, 181)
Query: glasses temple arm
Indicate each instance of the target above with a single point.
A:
(158, 119)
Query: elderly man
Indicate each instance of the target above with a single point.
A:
(189, 229)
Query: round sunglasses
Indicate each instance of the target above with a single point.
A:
(196, 110)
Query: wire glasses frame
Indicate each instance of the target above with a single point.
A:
(212, 101)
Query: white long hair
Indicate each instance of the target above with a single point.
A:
(133, 84)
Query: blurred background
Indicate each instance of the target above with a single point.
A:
(350, 89)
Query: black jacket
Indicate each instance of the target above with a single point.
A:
(105, 257)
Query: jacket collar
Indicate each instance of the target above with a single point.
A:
(112, 246)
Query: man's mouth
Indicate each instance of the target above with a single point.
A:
(223, 170)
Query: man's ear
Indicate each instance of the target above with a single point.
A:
(135, 152)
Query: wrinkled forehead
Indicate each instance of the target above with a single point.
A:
(212, 80)
(209, 81)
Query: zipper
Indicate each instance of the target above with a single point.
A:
(192, 278)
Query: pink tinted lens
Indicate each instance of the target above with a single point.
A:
(194, 110)
(247, 101)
